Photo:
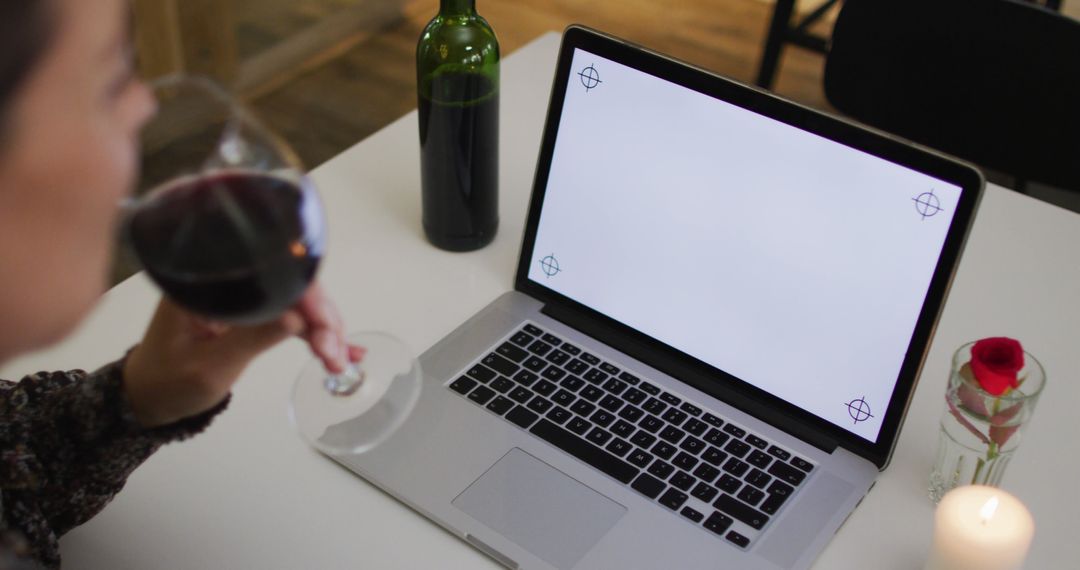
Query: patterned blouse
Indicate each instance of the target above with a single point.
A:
(68, 441)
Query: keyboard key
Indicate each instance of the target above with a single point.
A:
(664, 450)
(714, 456)
(639, 458)
(673, 499)
(718, 522)
(682, 481)
(558, 415)
(696, 427)
(692, 445)
(685, 461)
(572, 383)
(802, 464)
(463, 385)
(623, 428)
(751, 495)
(648, 485)
(521, 339)
(781, 471)
(502, 384)
(772, 504)
(736, 467)
(716, 437)
(729, 484)
(563, 397)
(595, 376)
(643, 439)
(578, 426)
(690, 409)
(579, 448)
(736, 447)
(779, 453)
(741, 511)
(672, 434)
(737, 539)
(500, 405)
(661, 469)
(552, 339)
(674, 416)
(781, 488)
(535, 363)
(553, 373)
(635, 396)
(619, 447)
(649, 388)
(631, 414)
(671, 398)
(522, 417)
(525, 378)
(756, 441)
(654, 406)
(704, 492)
(500, 364)
(629, 378)
(590, 358)
(544, 388)
(598, 436)
(759, 458)
(615, 386)
(481, 374)
(514, 353)
(558, 357)
(603, 418)
(533, 330)
(539, 405)
(576, 366)
(611, 403)
(607, 367)
(540, 348)
(582, 408)
(571, 348)
(735, 430)
(651, 424)
(758, 478)
(591, 393)
(706, 472)
(481, 394)
(521, 394)
(712, 420)
(691, 514)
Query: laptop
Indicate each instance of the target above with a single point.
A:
(721, 308)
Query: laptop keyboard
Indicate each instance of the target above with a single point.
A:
(712, 472)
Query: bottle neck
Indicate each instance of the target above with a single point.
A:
(457, 7)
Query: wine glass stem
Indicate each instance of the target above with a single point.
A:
(346, 383)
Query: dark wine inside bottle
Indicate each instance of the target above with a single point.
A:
(459, 148)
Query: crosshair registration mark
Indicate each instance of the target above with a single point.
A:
(590, 78)
(859, 410)
(927, 204)
(549, 265)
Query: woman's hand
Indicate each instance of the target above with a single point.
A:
(186, 365)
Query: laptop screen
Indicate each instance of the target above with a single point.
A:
(790, 261)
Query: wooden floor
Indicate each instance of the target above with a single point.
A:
(329, 109)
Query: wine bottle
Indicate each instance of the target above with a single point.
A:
(457, 80)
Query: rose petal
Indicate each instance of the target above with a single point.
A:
(972, 398)
(995, 363)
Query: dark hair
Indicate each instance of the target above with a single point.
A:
(24, 35)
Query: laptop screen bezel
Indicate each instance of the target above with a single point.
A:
(703, 376)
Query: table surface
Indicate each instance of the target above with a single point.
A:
(249, 494)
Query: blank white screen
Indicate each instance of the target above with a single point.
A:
(796, 264)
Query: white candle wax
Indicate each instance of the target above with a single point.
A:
(980, 528)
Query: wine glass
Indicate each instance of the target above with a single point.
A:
(227, 224)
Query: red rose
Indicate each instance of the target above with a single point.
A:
(995, 362)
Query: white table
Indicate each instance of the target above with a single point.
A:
(249, 494)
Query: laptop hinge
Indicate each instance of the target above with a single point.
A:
(764, 411)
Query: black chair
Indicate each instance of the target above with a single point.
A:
(995, 82)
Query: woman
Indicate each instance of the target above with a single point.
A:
(70, 111)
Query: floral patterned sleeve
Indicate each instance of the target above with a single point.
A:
(68, 441)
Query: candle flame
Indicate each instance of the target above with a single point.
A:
(987, 510)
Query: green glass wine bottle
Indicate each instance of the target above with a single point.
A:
(457, 80)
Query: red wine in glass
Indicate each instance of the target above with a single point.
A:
(234, 245)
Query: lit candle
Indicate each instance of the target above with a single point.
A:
(980, 528)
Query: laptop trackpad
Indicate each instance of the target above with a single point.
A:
(540, 508)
